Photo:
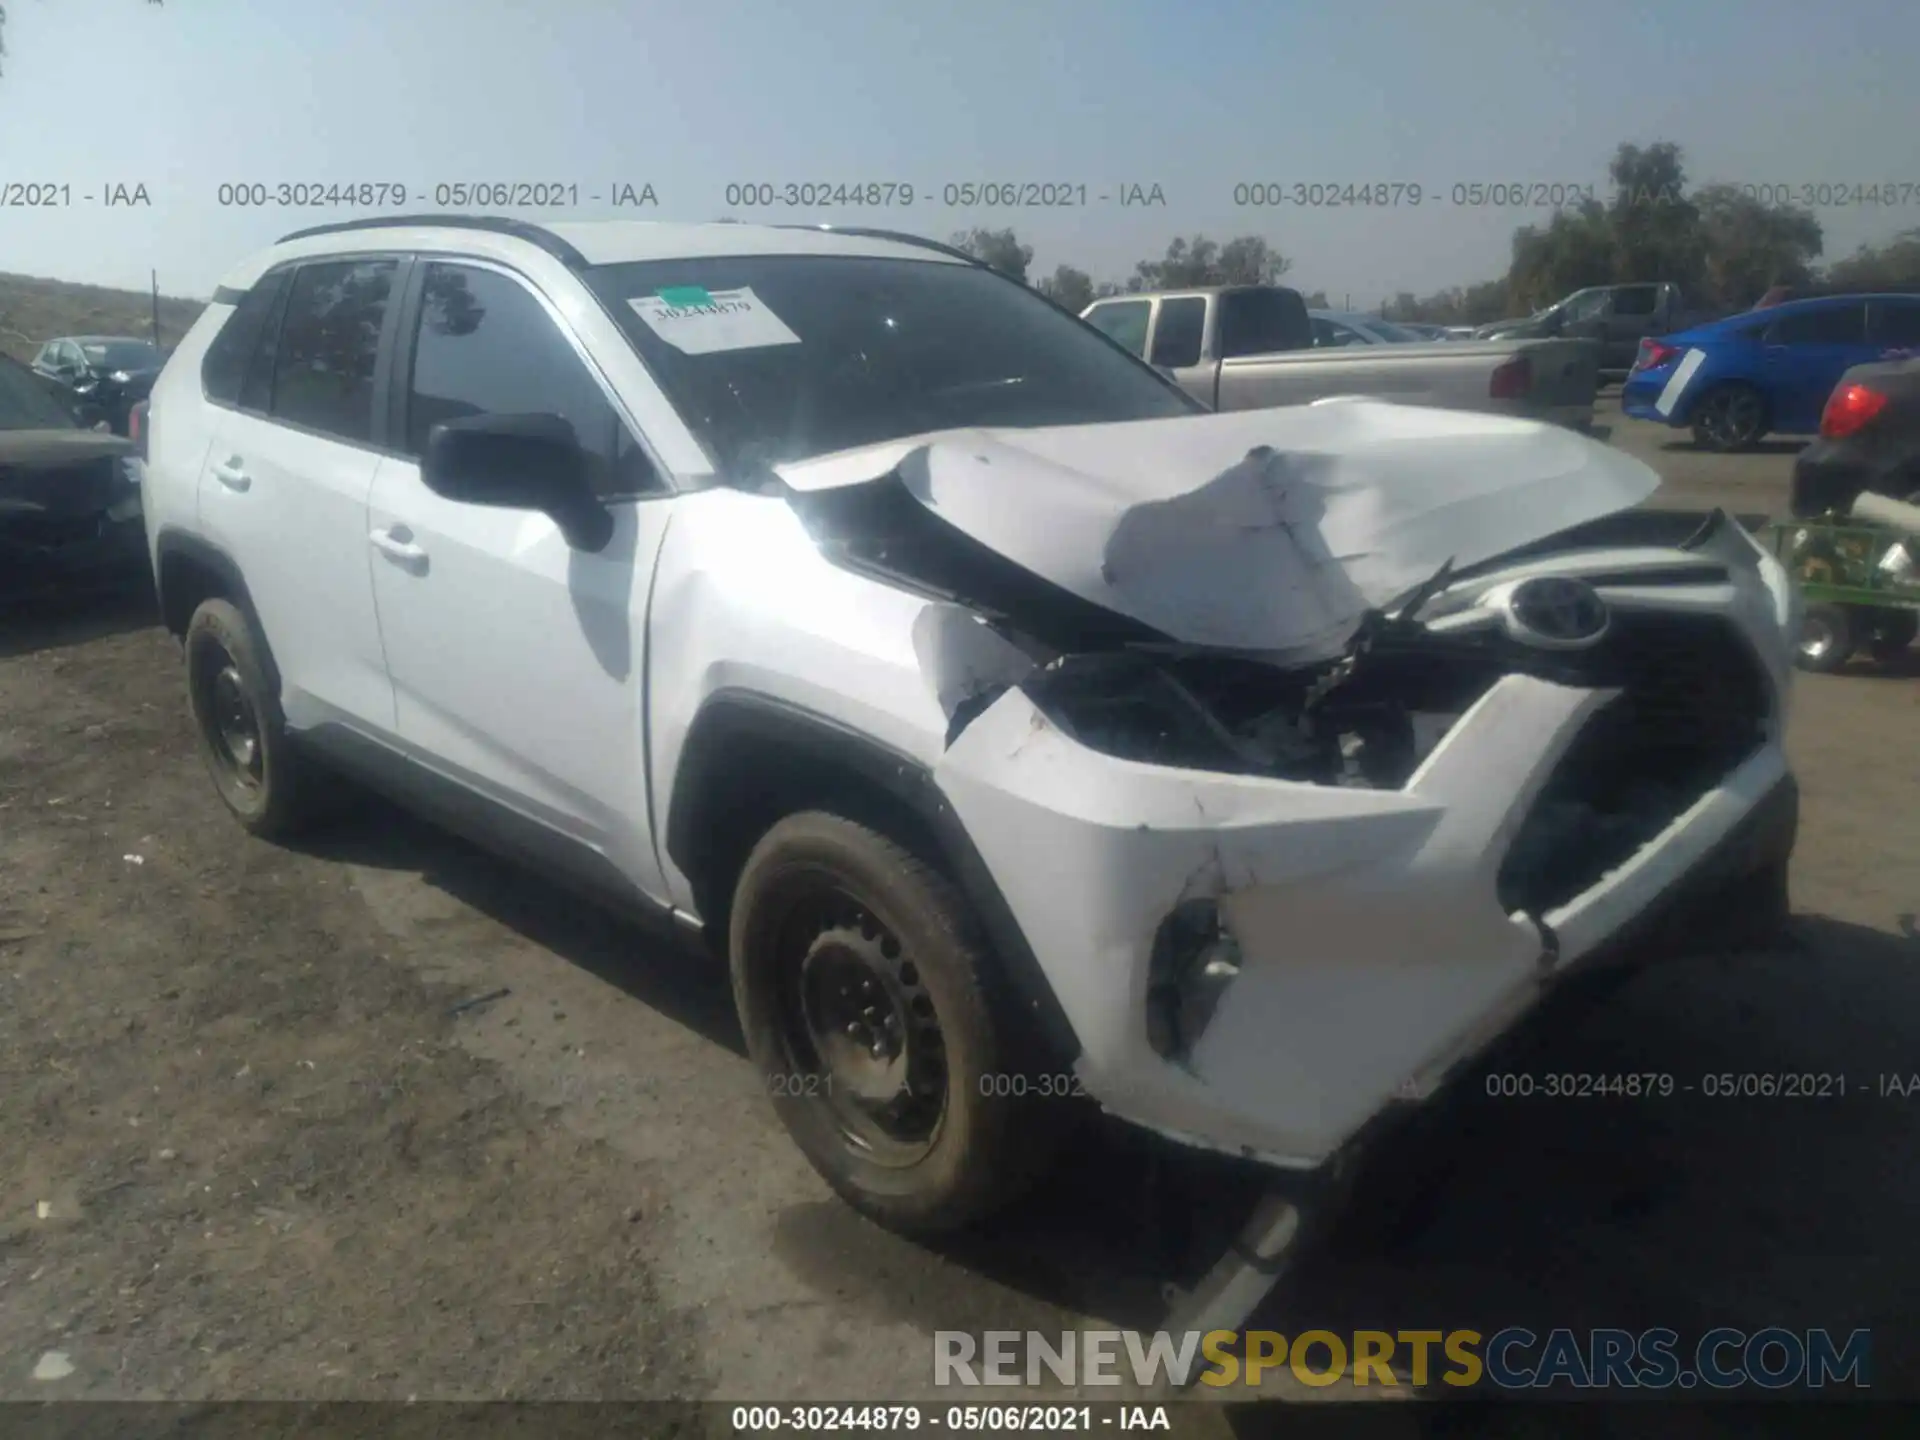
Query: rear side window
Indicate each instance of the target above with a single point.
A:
(1177, 333)
(323, 376)
(1262, 322)
(1898, 324)
(1830, 325)
(225, 365)
(1636, 300)
(486, 346)
(1124, 322)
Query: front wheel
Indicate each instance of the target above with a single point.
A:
(863, 994)
(1729, 418)
(1826, 638)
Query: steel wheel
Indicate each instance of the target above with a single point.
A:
(860, 1027)
(236, 724)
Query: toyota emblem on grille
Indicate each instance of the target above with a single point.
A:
(1556, 613)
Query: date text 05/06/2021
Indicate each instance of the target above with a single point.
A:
(953, 1419)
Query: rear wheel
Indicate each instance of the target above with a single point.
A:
(862, 991)
(258, 773)
(1729, 417)
(1826, 638)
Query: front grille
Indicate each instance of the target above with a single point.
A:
(1694, 704)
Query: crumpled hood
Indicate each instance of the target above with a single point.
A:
(1269, 532)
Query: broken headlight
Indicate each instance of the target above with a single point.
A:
(1195, 958)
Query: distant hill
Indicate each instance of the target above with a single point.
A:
(33, 311)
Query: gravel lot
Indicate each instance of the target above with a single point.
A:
(249, 1148)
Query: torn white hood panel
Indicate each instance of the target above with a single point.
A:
(1174, 524)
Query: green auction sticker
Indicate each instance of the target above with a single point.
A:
(684, 297)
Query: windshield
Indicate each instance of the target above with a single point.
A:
(25, 403)
(119, 354)
(1394, 334)
(782, 357)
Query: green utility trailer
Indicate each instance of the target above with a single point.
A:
(1861, 586)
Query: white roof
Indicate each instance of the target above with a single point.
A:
(601, 242)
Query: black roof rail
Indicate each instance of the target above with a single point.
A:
(899, 237)
(498, 224)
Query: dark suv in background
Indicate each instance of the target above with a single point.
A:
(100, 377)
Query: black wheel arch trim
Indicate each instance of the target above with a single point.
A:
(731, 715)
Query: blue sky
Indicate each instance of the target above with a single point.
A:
(1194, 95)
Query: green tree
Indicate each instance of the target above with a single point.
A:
(1749, 247)
(1655, 226)
(1575, 248)
(1893, 266)
(1069, 288)
(1248, 260)
(999, 249)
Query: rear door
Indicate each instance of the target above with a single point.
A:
(518, 661)
(288, 478)
(1805, 353)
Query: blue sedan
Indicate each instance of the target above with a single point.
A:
(1766, 372)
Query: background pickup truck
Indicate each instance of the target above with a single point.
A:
(1619, 317)
(1251, 347)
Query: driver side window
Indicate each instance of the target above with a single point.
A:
(1125, 322)
(1590, 306)
(487, 346)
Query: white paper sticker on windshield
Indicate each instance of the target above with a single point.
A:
(700, 322)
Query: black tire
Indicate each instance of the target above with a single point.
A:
(260, 775)
(1730, 417)
(1890, 632)
(822, 898)
(1827, 638)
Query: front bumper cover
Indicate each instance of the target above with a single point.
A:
(1379, 946)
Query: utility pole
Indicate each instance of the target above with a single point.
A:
(156, 308)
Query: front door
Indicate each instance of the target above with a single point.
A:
(518, 661)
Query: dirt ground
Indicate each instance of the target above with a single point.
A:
(252, 1146)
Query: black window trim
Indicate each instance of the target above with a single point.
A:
(383, 355)
(401, 380)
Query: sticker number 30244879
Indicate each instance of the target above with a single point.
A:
(696, 321)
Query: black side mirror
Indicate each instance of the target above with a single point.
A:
(518, 462)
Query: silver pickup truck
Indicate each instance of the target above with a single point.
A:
(1251, 347)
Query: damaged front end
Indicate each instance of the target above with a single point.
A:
(1285, 867)
(67, 507)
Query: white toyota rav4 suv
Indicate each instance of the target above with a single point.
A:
(1013, 727)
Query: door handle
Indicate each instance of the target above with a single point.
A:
(396, 543)
(232, 476)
